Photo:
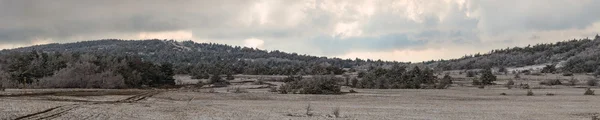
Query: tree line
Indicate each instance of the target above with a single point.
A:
(37, 69)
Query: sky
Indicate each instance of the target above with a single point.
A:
(394, 30)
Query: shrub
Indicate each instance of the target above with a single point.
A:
(309, 110)
(259, 82)
(215, 78)
(487, 78)
(336, 112)
(354, 82)
(592, 82)
(502, 93)
(200, 75)
(549, 69)
(529, 92)
(517, 76)
(509, 84)
(551, 82)
(229, 77)
(573, 81)
(536, 74)
(352, 91)
(524, 86)
(588, 91)
(212, 91)
(240, 90)
(549, 94)
(273, 89)
(199, 84)
(317, 85)
(471, 73)
(445, 82)
(567, 74)
(476, 82)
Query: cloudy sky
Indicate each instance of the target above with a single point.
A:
(401, 30)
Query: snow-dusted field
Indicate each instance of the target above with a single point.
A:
(456, 103)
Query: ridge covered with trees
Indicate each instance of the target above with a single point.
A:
(579, 56)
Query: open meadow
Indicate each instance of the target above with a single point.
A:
(245, 100)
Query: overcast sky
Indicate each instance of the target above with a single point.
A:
(401, 30)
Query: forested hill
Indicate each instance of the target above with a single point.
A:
(191, 57)
(577, 56)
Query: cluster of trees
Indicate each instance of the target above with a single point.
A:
(76, 70)
(580, 56)
(320, 84)
(398, 77)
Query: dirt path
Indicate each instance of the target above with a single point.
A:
(60, 110)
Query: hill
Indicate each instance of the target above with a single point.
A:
(577, 56)
(189, 57)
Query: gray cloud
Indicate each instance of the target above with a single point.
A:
(320, 27)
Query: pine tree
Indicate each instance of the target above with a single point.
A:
(487, 77)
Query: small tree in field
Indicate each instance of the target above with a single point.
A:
(487, 77)
(509, 84)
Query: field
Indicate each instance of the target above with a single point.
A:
(459, 102)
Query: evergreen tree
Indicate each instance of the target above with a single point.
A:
(487, 77)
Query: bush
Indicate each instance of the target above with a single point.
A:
(551, 82)
(573, 81)
(549, 94)
(529, 92)
(309, 110)
(471, 73)
(354, 82)
(588, 91)
(200, 75)
(240, 90)
(352, 91)
(502, 93)
(592, 82)
(487, 78)
(273, 89)
(524, 86)
(567, 74)
(317, 85)
(258, 82)
(445, 82)
(212, 91)
(476, 82)
(215, 78)
(509, 84)
(199, 84)
(229, 77)
(336, 112)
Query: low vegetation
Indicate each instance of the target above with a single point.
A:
(336, 112)
(509, 84)
(316, 85)
(551, 82)
(588, 91)
(529, 92)
(592, 82)
(37, 69)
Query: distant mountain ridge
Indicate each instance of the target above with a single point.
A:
(578, 56)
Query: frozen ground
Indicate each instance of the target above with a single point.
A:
(457, 103)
